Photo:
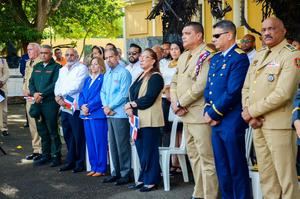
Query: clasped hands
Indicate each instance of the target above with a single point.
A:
(180, 111)
(209, 120)
(108, 111)
(60, 100)
(129, 108)
(253, 122)
(37, 97)
(85, 109)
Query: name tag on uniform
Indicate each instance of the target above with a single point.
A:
(48, 71)
(38, 71)
(273, 65)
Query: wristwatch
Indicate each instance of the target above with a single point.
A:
(178, 104)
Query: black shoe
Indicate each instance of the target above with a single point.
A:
(42, 161)
(77, 170)
(36, 158)
(67, 167)
(147, 189)
(110, 179)
(55, 162)
(4, 133)
(32, 156)
(122, 181)
(26, 125)
(135, 186)
(195, 198)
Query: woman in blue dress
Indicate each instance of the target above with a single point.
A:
(95, 125)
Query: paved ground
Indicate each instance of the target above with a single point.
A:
(19, 179)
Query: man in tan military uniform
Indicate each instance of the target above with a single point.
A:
(268, 93)
(187, 99)
(33, 50)
(4, 75)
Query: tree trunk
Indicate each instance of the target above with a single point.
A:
(83, 43)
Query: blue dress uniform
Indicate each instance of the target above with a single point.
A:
(95, 124)
(223, 103)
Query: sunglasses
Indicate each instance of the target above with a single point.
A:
(132, 53)
(246, 41)
(219, 35)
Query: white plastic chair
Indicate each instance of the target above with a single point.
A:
(254, 175)
(166, 152)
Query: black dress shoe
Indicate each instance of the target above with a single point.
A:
(4, 133)
(122, 181)
(147, 189)
(32, 156)
(66, 167)
(110, 179)
(195, 198)
(77, 170)
(135, 186)
(44, 160)
(26, 125)
(55, 162)
(39, 156)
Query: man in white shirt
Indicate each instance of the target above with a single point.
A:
(69, 84)
(248, 45)
(134, 66)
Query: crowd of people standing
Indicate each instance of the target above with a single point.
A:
(218, 90)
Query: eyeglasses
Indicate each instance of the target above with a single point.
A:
(219, 35)
(132, 53)
(71, 55)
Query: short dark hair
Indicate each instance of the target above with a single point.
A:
(111, 44)
(114, 50)
(56, 49)
(166, 42)
(196, 26)
(226, 25)
(133, 45)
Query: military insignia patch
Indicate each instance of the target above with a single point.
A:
(239, 51)
(254, 62)
(290, 47)
(297, 62)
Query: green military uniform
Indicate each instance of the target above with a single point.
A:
(187, 88)
(43, 80)
(268, 92)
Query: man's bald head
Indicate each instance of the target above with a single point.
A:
(273, 31)
(248, 43)
(158, 50)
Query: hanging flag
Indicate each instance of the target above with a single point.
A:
(70, 105)
(134, 126)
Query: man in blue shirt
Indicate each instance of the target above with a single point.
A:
(113, 95)
(226, 76)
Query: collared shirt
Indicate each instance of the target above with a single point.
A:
(227, 51)
(251, 55)
(135, 70)
(70, 80)
(115, 89)
(166, 71)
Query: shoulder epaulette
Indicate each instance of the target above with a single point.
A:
(209, 50)
(239, 51)
(261, 49)
(290, 47)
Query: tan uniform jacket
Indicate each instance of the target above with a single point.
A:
(4, 73)
(152, 116)
(188, 89)
(28, 71)
(271, 84)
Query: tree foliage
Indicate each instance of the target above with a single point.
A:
(23, 21)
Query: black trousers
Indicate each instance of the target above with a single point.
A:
(75, 139)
